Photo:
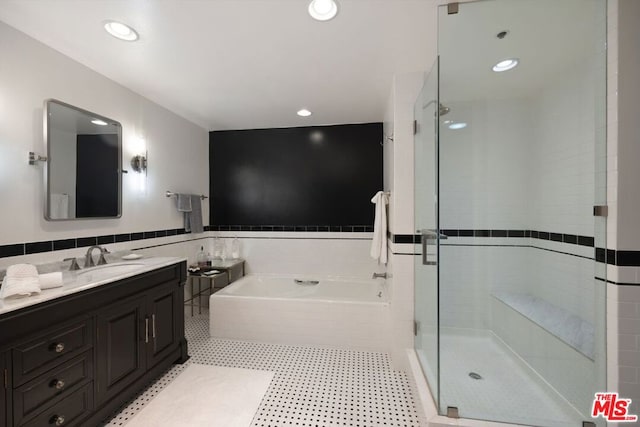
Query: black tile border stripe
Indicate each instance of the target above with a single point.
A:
(572, 239)
(27, 248)
(616, 283)
(620, 258)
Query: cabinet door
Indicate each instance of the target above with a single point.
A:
(164, 306)
(122, 331)
(4, 416)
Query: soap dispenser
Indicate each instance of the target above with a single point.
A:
(201, 257)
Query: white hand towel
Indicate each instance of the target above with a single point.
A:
(19, 271)
(59, 206)
(51, 280)
(379, 242)
(21, 280)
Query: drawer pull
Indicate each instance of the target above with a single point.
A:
(57, 384)
(57, 420)
(59, 348)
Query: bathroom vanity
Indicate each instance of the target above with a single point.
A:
(73, 355)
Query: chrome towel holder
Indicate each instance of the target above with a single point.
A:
(171, 194)
(34, 158)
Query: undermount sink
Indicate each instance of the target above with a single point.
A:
(114, 269)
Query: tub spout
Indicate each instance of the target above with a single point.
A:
(379, 276)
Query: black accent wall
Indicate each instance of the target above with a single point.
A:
(303, 176)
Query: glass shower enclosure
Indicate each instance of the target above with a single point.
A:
(510, 160)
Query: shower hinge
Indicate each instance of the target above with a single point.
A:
(588, 424)
(415, 127)
(415, 328)
(452, 8)
(601, 210)
(452, 412)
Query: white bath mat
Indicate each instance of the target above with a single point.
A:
(207, 396)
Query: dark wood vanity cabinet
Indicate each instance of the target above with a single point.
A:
(120, 346)
(4, 409)
(72, 361)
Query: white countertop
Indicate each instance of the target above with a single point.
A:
(82, 280)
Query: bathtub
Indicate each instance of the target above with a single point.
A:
(339, 313)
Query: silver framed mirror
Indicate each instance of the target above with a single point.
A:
(83, 176)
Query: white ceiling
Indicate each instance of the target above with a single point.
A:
(550, 37)
(238, 64)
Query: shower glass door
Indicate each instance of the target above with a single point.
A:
(426, 224)
(521, 162)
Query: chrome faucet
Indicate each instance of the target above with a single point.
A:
(88, 258)
(74, 264)
(379, 276)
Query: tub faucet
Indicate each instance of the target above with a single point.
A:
(379, 276)
(88, 258)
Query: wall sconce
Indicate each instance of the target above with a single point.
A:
(139, 163)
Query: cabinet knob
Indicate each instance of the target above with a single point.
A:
(59, 348)
(57, 420)
(57, 384)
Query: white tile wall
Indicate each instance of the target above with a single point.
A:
(623, 232)
(323, 254)
(628, 128)
(482, 178)
(405, 91)
(561, 165)
(628, 340)
(401, 307)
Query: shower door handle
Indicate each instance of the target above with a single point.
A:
(427, 237)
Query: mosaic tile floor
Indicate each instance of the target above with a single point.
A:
(312, 387)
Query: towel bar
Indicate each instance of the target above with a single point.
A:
(171, 194)
(34, 158)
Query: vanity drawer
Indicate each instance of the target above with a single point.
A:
(55, 346)
(29, 398)
(70, 411)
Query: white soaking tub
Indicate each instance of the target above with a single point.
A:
(340, 313)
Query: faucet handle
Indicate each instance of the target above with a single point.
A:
(74, 264)
(102, 260)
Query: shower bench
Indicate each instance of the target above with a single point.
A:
(564, 325)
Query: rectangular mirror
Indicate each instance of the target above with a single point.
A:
(84, 154)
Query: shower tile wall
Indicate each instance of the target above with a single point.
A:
(521, 164)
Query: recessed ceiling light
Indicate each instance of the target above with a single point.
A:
(121, 31)
(304, 113)
(505, 65)
(459, 125)
(99, 122)
(323, 10)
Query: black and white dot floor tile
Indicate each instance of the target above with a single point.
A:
(312, 387)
